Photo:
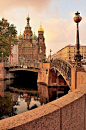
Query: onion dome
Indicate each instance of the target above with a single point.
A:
(40, 29)
(20, 36)
(34, 36)
(28, 18)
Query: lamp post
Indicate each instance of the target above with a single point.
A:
(50, 54)
(77, 57)
(2, 57)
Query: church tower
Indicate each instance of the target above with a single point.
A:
(31, 48)
(27, 32)
(41, 44)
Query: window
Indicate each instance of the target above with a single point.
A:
(27, 36)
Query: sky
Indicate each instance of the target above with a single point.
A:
(56, 17)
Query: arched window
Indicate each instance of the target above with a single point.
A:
(27, 36)
(24, 36)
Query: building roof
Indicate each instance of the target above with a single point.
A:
(40, 29)
(34, 36)
(70, 46)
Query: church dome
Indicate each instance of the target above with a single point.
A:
(28, 18)
(40, 29)
(34, 36)
(20, 36)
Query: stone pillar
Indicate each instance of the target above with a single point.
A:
(73, 79)
(43, 74)
(52, 78)
(80, 78)
(76, 77)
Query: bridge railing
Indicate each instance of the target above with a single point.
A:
(33, 65)
(64, 67)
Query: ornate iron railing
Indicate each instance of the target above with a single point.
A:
(64, 67)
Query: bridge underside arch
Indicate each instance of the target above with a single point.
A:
(22, 69)
(61, 79)
(24, 79)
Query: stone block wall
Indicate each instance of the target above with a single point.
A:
(43, 76)
(45, 65)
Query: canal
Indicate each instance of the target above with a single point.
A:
(24, 94)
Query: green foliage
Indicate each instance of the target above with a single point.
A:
(8, 38)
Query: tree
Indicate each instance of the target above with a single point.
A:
(8, 37)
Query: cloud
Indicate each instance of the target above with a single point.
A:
(61, 32)
(16, 11)
(36, 5)
(58, 32)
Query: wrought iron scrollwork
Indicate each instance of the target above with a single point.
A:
(64, 67)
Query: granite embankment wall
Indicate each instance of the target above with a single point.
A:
(65, 113)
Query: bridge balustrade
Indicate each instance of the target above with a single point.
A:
(64, 67)
(30, 66)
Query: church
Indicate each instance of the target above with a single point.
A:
(31, 48)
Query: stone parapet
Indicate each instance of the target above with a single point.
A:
(67, 112)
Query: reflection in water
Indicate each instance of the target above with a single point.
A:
(24, 104)
(21, 105)
(2, 88)
(43, 93)
(18, 102)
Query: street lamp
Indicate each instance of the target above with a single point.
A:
(2, 56)
(50, 54)
(77, 57)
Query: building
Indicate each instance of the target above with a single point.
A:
(68, 52)
(31, 48)
(13, 59)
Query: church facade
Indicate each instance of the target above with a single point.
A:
(31, 48)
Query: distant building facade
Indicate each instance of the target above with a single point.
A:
(31, 47)
(68, 52)
(13, 59)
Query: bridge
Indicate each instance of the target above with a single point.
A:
(64, 68)
(6, 69)
(66, 112)
(48, 73)
(30, 67)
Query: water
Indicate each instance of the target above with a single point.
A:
(22, 105)
(24, 94)
(19, 95)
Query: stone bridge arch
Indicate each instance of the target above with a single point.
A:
(9, 70)
(23, 69)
